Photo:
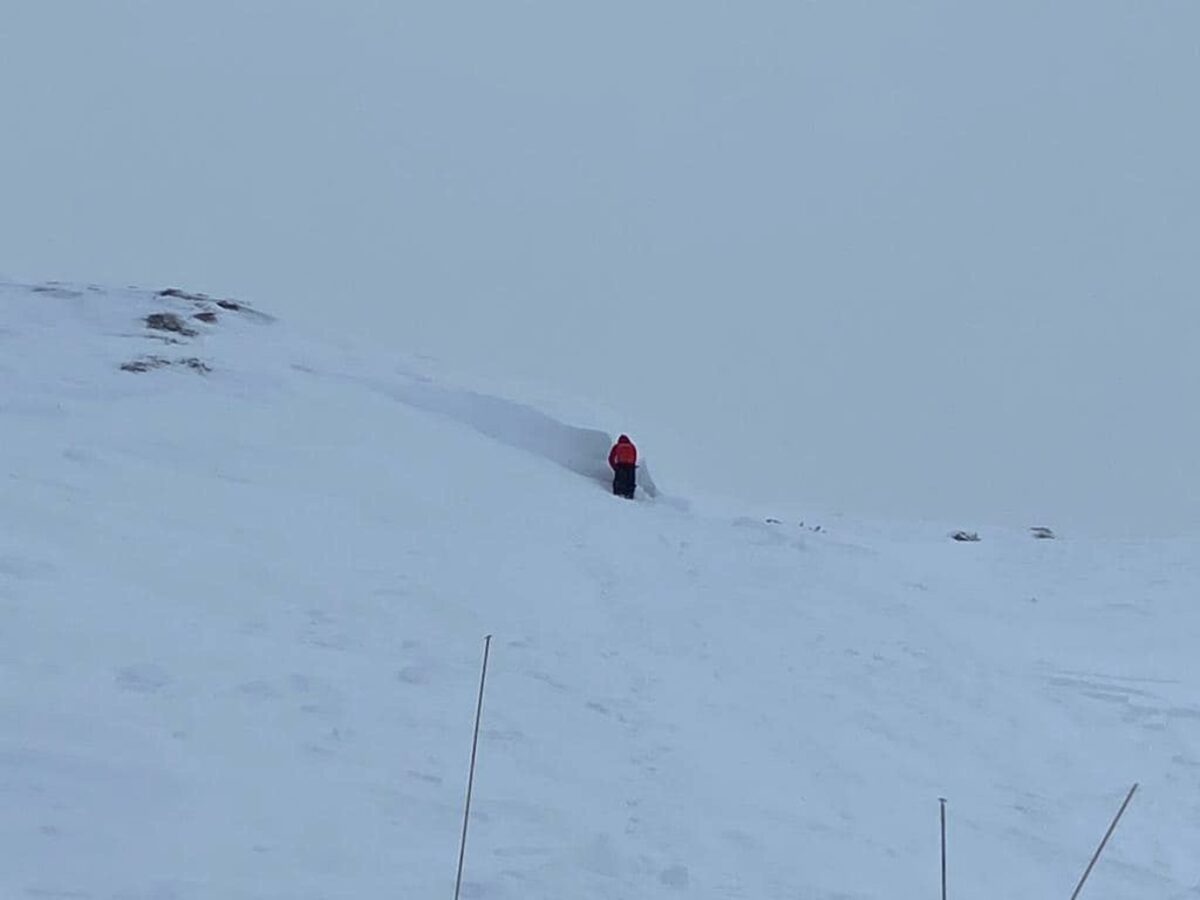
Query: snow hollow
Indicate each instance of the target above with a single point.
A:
(244, 578)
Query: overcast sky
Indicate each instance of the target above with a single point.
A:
(910, 258)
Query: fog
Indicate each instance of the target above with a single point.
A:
(910, 259)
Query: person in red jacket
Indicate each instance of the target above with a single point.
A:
(623, 459)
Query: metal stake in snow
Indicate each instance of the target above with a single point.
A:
(1107, 835)
(942, 801)
(462, 847)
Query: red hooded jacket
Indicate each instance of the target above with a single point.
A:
(623, 453)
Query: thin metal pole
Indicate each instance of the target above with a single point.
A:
(942, 801)
(1107, 835)
(462, 847)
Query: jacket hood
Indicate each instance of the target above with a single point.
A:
(623, 439)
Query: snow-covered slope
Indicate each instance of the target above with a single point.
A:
(243, 595)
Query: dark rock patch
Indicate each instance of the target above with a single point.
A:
(145, 364)
(55, 289)
(206, 302)
(184, 295)
(965, 537)
(209, 318)
(169, 322)
(150, 363)
(196, 365)
(1042, 534)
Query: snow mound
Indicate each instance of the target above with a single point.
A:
(581, 450)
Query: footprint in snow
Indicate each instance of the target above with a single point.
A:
(413, 675)
(259, 690)
(144, 678)
(675, 877)
(427, 777)
(598, 707)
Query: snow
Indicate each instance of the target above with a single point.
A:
(243, 618)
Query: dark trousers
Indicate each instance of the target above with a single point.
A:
(624, 480)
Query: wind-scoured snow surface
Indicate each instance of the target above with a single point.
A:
(243, 600)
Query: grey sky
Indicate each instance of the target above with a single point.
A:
(914, 258)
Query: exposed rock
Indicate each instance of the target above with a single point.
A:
(169, 322)
(199, 298)
(184, 295)
(145, 364)
(196, 365)
(965, 536)
(1042, 533)
(150, 363)
(56, 289)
